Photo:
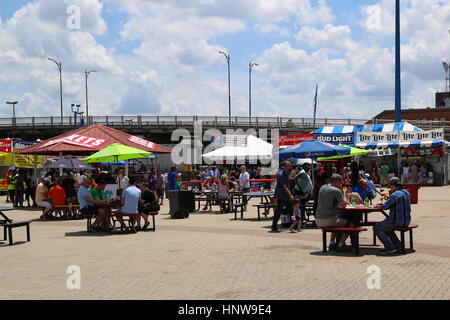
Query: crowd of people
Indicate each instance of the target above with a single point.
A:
(335, 191)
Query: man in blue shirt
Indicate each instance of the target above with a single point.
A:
(129, 202)
(87, 203)
(399, 204)
(171, 177)
(283, 195)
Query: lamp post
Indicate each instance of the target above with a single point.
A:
(59, 64)
(398, 90)
(86, 73)
(250, 67)
(227, 56)
(14, 111)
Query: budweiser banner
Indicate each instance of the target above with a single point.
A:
(292, 140)
(5, 145)
(78, 140)
(142, 142)
(336, 138)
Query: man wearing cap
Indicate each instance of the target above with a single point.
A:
(399, 204)
(283, 195)
(42, 197)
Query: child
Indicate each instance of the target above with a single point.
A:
(297, 217)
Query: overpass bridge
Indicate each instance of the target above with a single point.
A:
(159, 128)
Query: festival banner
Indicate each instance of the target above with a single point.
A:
(142, 142)
(292, 140)
(336, 138)
(404, 137)
(78, 140)
(5, 145)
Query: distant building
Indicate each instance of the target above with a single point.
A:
(422, 117)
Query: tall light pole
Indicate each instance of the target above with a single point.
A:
(250, 67)
(59, 64)
(86, 73)
(227, 56)
(14, 107)
(398, 86)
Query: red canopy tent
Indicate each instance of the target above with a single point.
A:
(90, 139)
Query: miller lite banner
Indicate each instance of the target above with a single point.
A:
(292, 140)
(336, 138)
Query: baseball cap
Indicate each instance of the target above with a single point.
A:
(47, 179)
(394, 181)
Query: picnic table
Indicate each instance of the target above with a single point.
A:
(210, 195)
(354, 211)
(5, 218)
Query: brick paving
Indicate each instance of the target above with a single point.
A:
(211, 256)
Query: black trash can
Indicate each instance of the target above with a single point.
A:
(180, 203)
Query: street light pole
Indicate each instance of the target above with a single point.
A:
(227, 56)
(86, 73)
(59, 64)
(14, 108)
(250, 66)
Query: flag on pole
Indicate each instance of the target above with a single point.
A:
(315, 106)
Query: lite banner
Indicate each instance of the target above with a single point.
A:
(393, 137)
(295, 139)
(336, 138)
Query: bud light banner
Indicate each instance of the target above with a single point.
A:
(336, 138)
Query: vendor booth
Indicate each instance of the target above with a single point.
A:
(395, 144)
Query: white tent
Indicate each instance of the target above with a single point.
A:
(252, 150)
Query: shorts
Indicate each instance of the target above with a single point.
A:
(223, 197)
(45, 204)
(152, 187)
(71, 200)
(331, 222)
(90, 210)
(160, 193)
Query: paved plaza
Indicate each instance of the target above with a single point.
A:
(211, 256)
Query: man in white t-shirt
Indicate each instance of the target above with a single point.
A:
(244, 184)
(122, 181)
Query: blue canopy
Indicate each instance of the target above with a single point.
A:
(312, 149)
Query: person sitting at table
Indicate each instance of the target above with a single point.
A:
(208, 185)
(330, 198)
(399, 204)
(129, 204)
(96, 193)
(224, 190)
(148, 203)
(58, 196)
(42, 199)
(87, 203)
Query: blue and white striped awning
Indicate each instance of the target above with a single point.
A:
(402, 126)
(389, 127)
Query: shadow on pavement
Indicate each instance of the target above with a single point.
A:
(363, 251)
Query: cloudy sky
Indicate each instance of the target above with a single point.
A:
(161, 56)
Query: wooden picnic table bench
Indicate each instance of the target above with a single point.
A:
(113, 217)
(11, 225)
(354, 231)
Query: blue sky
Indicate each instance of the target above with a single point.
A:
(163, 55)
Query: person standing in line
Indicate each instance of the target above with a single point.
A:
(18, 196)
(283, 195)
(171, 178)
(122, 181)
(414, 170)
(384, 174)
(406, 173)
(160, 186)
(244, 184)
(11, 180)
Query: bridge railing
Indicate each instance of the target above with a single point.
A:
(207, 121)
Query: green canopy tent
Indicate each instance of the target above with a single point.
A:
(353, 152)
(116, 152)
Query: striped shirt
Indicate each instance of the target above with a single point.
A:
(399, 204)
